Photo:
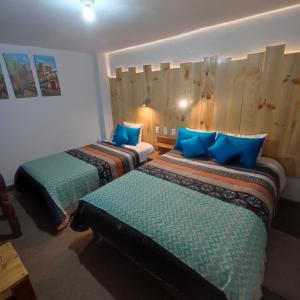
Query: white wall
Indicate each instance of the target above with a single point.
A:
(234, 39)
(39, 126)
(106, 121)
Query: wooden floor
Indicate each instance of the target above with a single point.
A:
(69, 266)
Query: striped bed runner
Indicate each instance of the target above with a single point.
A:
(110, 161)
(254, 189)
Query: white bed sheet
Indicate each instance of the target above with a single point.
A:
(143, 149)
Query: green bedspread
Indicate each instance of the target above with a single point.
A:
(65, 178)
(223, 242)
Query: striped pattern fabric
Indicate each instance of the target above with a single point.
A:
(110, 161)
(254, 189)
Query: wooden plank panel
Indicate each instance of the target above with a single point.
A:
(236, 75)
(163, 97)
(269, 87)
(222, 91)
(185, 92)
(148, 113)
(260, 94)
(133, 101)
(119, 95)
(208, 92)
(196, 92)
(286, 120)
(252, 83)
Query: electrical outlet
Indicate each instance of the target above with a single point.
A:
(165, 130)
(157, 129)
(174, 131)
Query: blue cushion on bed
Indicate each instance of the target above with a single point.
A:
(207, 138)
(120, 137)
(133, 135)
(249, 149)
(193, 147)
(223, 150)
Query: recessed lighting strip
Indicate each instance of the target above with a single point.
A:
(245, 19)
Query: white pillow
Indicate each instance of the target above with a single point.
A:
(199, 130)
(135, 125)
(251, 136)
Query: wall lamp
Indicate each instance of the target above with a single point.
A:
(146, 102)
(183, 103)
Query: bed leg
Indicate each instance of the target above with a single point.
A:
(63, 224)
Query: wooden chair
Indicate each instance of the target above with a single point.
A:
(15, 282)
(8, 210)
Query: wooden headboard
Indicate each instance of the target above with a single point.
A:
(258, 94)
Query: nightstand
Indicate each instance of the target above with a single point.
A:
(154, 155)
(163, 145)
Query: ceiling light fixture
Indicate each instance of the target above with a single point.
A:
(87, 11)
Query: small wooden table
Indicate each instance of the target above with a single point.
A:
(163, 144)
(154, 155)
(14, 278)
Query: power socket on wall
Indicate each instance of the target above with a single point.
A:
(173, 131)
(157, 129)
(165, 130)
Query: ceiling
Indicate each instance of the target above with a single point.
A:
(120, 23)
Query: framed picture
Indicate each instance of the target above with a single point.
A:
(20, 74)
(47, 74)
(3, 89)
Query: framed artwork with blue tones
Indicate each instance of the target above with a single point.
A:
(20, 74)
(47, 74)
(3, 89)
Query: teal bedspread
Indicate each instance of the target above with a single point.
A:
(64, 177)
(224, 243)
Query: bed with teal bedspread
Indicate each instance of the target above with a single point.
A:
(213, 219)
(210, 236)
(65, 177)
(62, 179)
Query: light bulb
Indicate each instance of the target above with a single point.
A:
(183, 103)
(88, 14)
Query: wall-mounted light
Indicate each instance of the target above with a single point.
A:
(87, 11)
(183, 103)
(146, 102)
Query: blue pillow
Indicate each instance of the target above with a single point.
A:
(193, 147)
(133, 135)
(223, 150)
(120, 137)
(207, 138)
(249, 149)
